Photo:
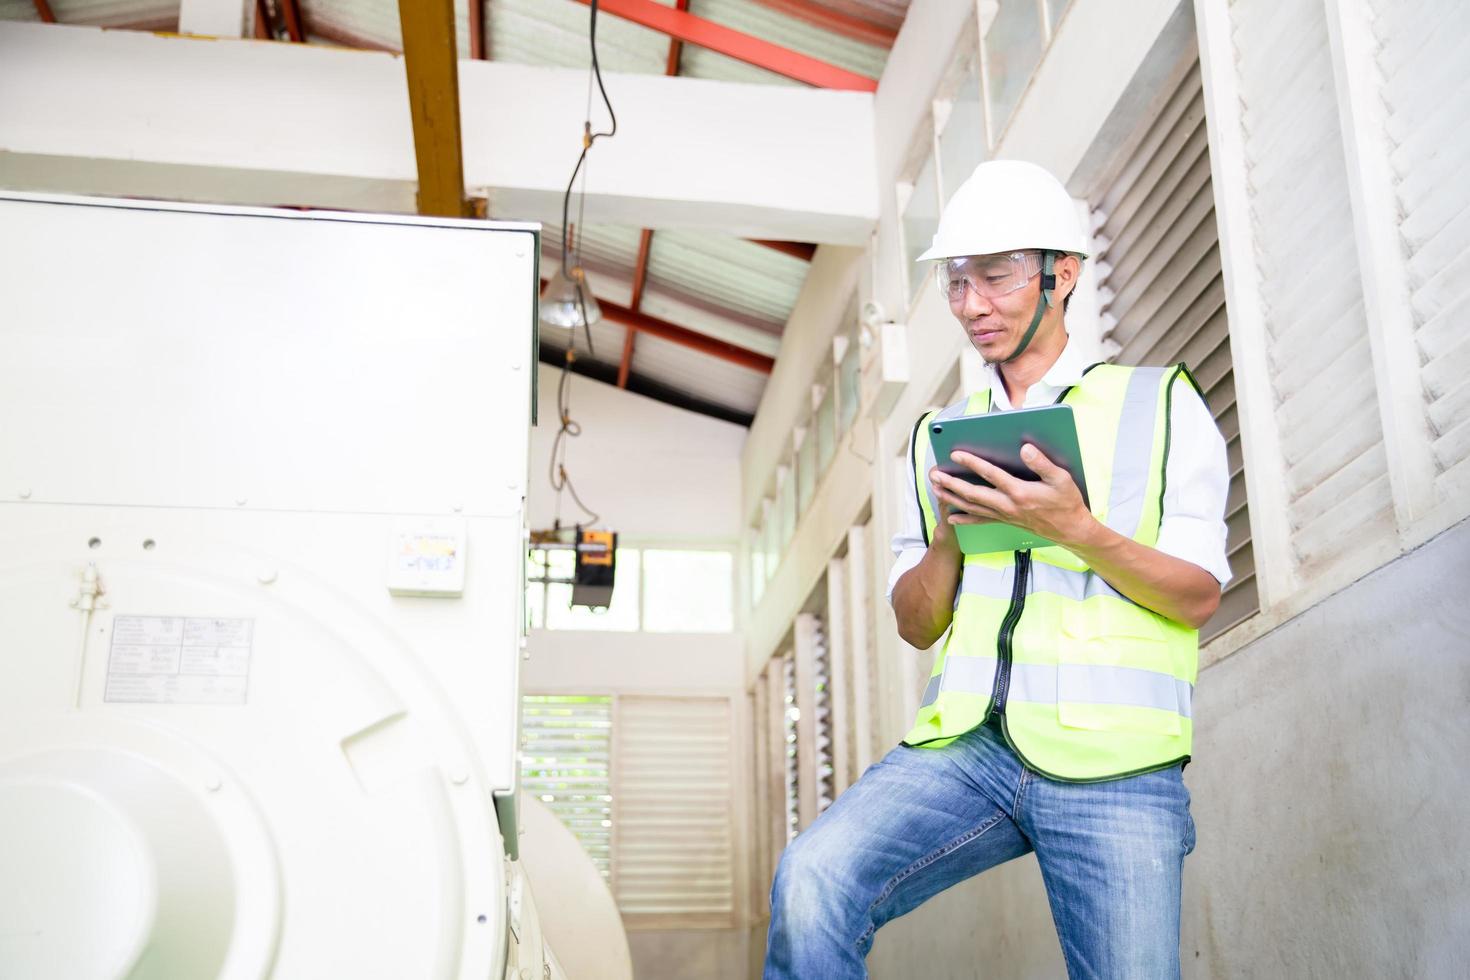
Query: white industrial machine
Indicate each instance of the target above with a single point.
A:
(262, 480)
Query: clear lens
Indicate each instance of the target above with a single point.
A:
(987, 275)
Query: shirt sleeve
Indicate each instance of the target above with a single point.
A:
(1197, 481)
(908, 544)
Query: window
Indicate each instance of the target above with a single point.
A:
(920, 220)
(962, 140)
(757, 563)
(849, 378)
(1013, 47)
(826, 426)
(786, 506)
(550, 604)
(567, 741)
(772, 525)
(657, 591)
(687, 592)
(806, 468)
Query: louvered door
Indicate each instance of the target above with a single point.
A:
(672, 806)
(1163, 296)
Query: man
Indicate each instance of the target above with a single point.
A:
(1057, 719)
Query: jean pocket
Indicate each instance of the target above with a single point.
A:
(1115, 671)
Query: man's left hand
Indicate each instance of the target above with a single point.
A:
(1051, 507)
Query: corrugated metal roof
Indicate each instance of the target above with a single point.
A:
(554, 32)
(149, 14)
(697, 374)
(741, 276)
(756, 19)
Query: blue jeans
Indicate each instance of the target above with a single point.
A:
(921, 820)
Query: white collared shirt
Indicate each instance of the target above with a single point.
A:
(1197, 475)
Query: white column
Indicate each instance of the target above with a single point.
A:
(1260, 438)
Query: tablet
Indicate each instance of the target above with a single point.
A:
(998, 438)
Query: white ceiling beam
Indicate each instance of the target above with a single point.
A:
(129, 113)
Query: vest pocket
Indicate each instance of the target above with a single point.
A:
(1114, 670)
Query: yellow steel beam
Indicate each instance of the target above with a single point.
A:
(430, 57)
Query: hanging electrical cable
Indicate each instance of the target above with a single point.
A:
(571, 268)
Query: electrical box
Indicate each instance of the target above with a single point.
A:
(426, 557)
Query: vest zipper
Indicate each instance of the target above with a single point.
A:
(1007, 627)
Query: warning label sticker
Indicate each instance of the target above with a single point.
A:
(179, 660)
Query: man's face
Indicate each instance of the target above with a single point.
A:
(996, 324)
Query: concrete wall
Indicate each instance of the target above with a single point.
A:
(1329, 788)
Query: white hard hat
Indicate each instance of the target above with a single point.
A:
(1005, 206)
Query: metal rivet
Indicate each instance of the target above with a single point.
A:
(25, 494)
(266, 576)
(459, 777)
(94, 544)
(149, 544)
(213, 784)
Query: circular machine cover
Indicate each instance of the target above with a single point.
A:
(329, 821)
(579, 918)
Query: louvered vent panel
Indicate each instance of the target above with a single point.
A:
(1426, 93)
(673, 808)
(822, 707)
(1322, 367)
(1163, 293)
(789, 716)
(564, 763)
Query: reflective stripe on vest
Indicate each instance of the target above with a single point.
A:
(1078, 683)
(1101, 687)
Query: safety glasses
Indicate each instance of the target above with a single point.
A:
(988, 275)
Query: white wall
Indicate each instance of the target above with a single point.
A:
(653, 472)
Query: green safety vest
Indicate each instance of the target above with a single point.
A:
(1090, 685)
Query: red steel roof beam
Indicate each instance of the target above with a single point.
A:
(683, 336)
(291, 10)
(43, 10)
(690, 29)
(640, 276)
(640, 270)
(797, 250)
(477, 30)
(834, 21)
